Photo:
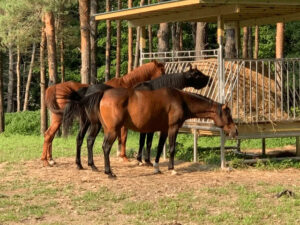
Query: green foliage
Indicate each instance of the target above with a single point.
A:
(24, 123)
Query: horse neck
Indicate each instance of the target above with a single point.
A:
(201, 107)
(169, 80)
(140, 74)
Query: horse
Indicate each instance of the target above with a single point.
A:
(57, 96)
(191, 78)
(163, 110)
(83, 105)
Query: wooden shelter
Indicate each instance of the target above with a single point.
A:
(235, 14)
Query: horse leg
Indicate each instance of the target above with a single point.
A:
(141, 146)
(108, 141)
(48, 138)
(148, 148)
(161, 142)
(172, 143)
(122, 139)
(94, 130)
(84, 125)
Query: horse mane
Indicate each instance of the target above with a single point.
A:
(176, 80)
(137, 75)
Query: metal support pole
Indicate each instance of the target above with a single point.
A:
(195, 145)
(220, 37)
(263, 141)
(223, 160)
(297, 146)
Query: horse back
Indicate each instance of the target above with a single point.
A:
(56, 95)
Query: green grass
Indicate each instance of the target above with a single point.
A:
(15, 148)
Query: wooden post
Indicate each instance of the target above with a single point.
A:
(263, 141)
(297, 146)
(195, 145)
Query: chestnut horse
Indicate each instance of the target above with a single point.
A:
(57, 97)
(191, 78)
(82, 104)
(162, 110)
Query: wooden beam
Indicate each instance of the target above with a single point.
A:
(253, 2)
(270, 20)
(195, 14)
(126, 13)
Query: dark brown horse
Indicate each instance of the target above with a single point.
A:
(57, 97)
(162, 110)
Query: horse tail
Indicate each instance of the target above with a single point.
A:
(74, 108)
(92, 100)
(50, 100)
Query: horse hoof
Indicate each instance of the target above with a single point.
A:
(79, 167)
(52, 162)
(157, 172)
(45, 163)
(125, 159)
(140, 163)
(148, 163)
(94, 168)
(174, 172)
(112, 176)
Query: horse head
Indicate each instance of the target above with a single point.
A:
(225, 121)
(195, 78)
(159, 69)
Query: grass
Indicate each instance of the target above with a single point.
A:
(29, 200)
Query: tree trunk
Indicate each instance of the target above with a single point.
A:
(130, 42)
(84, 14)
(245, 42)
(230, 50)
(137, 44)
(180, 39)
(163, 37)
(51, 47)
(108, 44)
(18, 70)
(250, 43)
(2, 120)
(176, 36)
(25, 106)
(256, 42)
(200, 38)
(118, 49)
(93, 24)
(10, 88)
(44, 121)
(279, 40)
(62, 60)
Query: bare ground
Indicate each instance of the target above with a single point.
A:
(139, 182)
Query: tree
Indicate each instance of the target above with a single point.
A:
(84, 14)
(118, 50)
(2, 121)
(137, 43)
(176, 28)
(108, 44)
(200, 37)
(44, 120)
(51, 46)
(230, 50)
(129, 42)
(93, 34)
(279, 40)
(256, 42)
(18, 71)
(10, 87)
(150, 33)
(29, 78)
(245, 42)
(250, 43)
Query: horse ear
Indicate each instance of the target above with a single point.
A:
(155, 62)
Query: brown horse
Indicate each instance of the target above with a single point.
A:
(162, 110)
(57, 97)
